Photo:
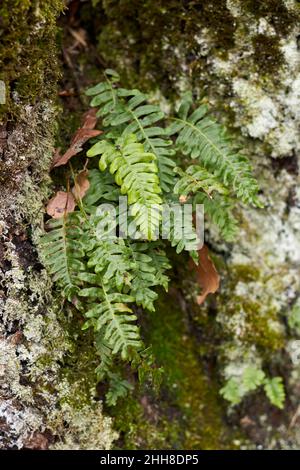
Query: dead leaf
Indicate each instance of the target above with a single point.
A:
(69, 92)
(82, 184)
(82, 135)
(16, 338)
(90, 119)
(37, 441)
(60, 204)
(207, 275)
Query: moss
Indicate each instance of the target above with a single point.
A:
(275, 11)
(267, 55)
(245, 273)
(155, 32)
(259, 319)
(28, 52)
(152, 42)
(258, 326)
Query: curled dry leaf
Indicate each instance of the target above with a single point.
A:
(82, 135)
(60, 204)
(207, 275)
(82, 184)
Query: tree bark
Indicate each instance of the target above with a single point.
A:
(41, 404)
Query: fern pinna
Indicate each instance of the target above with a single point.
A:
(153, 160)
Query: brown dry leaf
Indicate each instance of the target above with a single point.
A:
(82, 135)
(82, 184)
(37, 441)
(68, 92)
(60, 204)
(207, 275)
(16, 338)
(90, 119)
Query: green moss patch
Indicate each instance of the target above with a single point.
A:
(28, 51)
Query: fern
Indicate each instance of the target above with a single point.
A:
(136, 172)
(149, 271)
(202, 138)
(126, 111)
(116, 317)
(231, 391)
(102, 189)
(62, 253)
(107, 277)
(105, 353)
(275, 391)
(195, 179)
(220, 211)
(118, 388)
(251, 379)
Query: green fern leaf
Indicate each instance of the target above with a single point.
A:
(219, 210)
(118, 388)
(252, 378)
(114, 316)
(194, 179)
(102, 188)
(104, 351)
(136, 172)
(127, 111)
(149, 271)
(202, 138)
(232, 391)
(275, 391)
(62, 252)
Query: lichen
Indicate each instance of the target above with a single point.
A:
(35, 340)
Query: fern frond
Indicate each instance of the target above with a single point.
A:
(148, 272)
(219, 211)
(102, 188)
(113, 259)
(194, 179)
(202, 138)
(136, 173)
(105, 354)
(104, 93)
(275, 391)
(161, 264)
(62, 252)
(115, 317)
(128, 111)
(177, 227)
(118, 388)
